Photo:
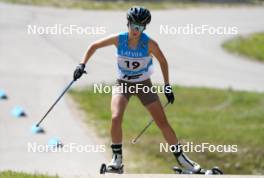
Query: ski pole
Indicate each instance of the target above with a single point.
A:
(145, 128)
(64, 91)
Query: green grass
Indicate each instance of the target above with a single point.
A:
(251, 46)
(12, 174)
(198, 115)
(110, 5)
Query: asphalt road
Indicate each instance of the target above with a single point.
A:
(35, 68)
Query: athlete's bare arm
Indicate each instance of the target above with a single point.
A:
(110, 40)
(156, 51)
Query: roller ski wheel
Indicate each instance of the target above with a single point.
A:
(213, 171)
(108, 169)
(177, 170)
(216, 170)
(103, 169)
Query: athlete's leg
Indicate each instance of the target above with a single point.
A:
(151, 101)
(118, 105)
(157, 113)
(160, 119)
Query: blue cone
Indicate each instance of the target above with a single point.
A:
(18, 112)
(37, 129)
(55, 142)
(3, 94)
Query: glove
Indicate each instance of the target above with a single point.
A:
(78, 71)
(169, 94)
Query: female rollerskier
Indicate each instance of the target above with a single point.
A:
(134, 62)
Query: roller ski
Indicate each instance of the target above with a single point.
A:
(115, 166)
(213, 171)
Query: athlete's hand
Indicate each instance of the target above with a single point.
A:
(78, 71)
(169, 93)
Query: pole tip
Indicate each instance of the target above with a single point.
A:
(134, 141)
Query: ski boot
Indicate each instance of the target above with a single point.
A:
(115, 166)
(188, 164)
